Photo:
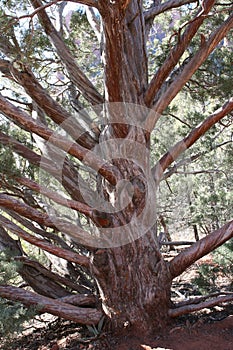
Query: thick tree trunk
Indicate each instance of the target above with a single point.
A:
(133, 278)
(134, 284)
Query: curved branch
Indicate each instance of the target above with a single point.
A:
(176, 53)
(183, 310)
(189, 140)
(192, 66)
(43, 244)
(204, 246)
(75, 73)
(170, 4)
(55, 307)
(45, 234)
(108, 171)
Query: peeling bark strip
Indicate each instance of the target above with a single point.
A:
(124, 63)
(207, 244)
(56, 307)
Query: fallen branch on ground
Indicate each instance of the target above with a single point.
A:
(183, 310)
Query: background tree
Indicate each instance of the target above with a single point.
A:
(97, 112)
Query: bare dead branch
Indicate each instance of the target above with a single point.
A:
(43, 244)
(108, 171)
(165, 6)
(189, 140)
(198, 300)
(55, 307)
(171, 243)
(204, 246)
(183, 310)
(192, 66)
(76, 74)
(175, 54)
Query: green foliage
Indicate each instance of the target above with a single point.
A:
(8, 163)
(224, 257)
(8, 267)
(222, 267)
(13, 315)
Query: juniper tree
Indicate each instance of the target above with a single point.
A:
(80, 130)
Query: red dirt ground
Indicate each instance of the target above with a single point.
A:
(204, 333)
(209, 329)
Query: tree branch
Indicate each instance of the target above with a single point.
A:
(176, 53)
(85, 299)
(92, 3)
(170, 4)
(191, 67)
(183, 310)
(43, 244)
(56, 307)
(108, 171)
(189, 140)
(75, 73)
(94, 22)
(43, 218)
(56, 197)
(45, 234)
(53, 109)
(186, 161)
(70, 179)
(204, 246)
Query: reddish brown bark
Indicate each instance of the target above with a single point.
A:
(183, 310)
(190, 139)
(75, 73)
(55, 307)
(89, 158)
(204, 246)
(139, 297)
(192, 66)
(62, 253)
(176, 53)
(133, 280)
